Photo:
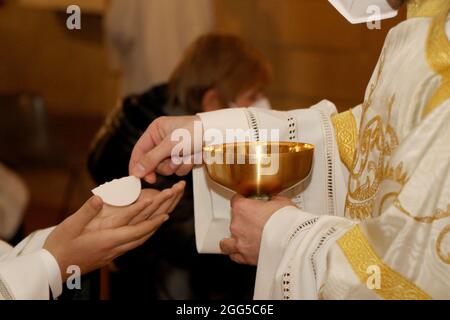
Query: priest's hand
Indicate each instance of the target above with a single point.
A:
(248, 218)
(96, 234)
(152, 152)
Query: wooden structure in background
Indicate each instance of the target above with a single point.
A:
(91, 6)
(316, 54)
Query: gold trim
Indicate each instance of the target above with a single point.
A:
(346, 135)
(396, 174)
(445, 257)
(384, 199)
(437, 215)
(366, 175)
(361, 187)
(438, 57)
(361, 255)
(425, 8)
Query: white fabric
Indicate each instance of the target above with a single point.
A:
(362, 11)
(53, 273)
(211, 201)
(28, 272)
(447, 29)
(4, 248)
(283, 240)
(13, 200)
(147, 37)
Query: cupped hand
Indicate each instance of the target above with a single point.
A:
(96, 234)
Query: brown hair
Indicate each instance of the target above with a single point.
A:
(223, 62)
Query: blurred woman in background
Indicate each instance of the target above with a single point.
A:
(217, 71)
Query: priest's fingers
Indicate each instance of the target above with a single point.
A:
(228, 246)
(148, 163)
(84, 215)
(130, 233)
(235, 199)
(184, 169)
(238, 258)
(283, 200)
(156, 145)
(145, 143)
(167, 167)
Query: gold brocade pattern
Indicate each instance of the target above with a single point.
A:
(361, 256)
(396, 174)
(437, 215)
(445, 257)
(426, 8)
(376, 142)
(344, 125)
(371, 166)
(438, 57)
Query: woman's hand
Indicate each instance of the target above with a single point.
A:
(248, 218)
(96, 234)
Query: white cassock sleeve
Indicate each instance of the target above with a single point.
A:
(326, 182)
(27, 271)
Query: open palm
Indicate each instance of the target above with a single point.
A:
(151, 203)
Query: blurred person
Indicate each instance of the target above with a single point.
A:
(148, 37)
(217, 71)
(13, 201)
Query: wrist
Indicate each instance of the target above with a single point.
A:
(57, 256)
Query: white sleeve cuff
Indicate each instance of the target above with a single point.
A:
(53, 272)
(222, 120)
(281, 224)
(276, 235)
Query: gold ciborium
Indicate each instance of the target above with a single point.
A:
(259, 169)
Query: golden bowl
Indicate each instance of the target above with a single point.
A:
(259, 169)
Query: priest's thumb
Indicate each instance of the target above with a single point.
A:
(281, 198)
(235, 199)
